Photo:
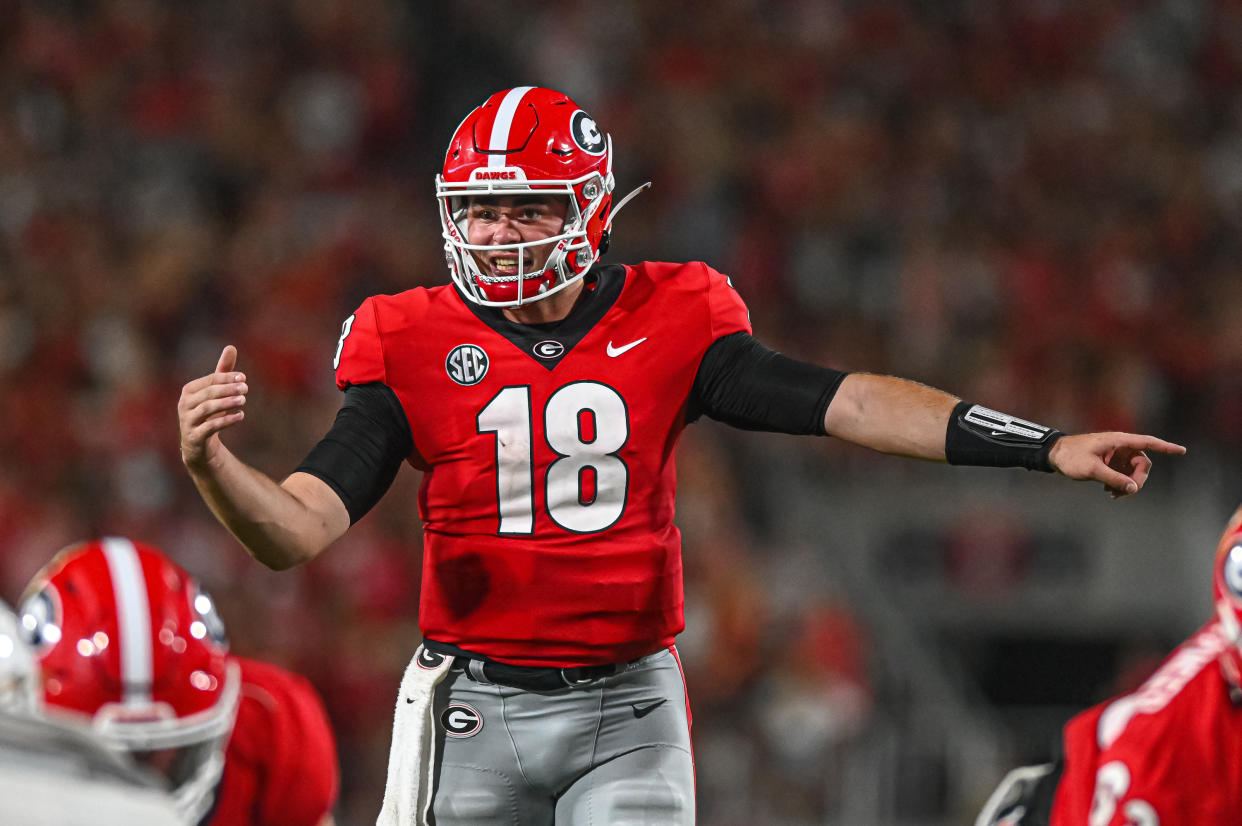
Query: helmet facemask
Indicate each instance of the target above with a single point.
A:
(187, 752)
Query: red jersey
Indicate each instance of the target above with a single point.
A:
(1170, 754)
(547, 501)
(280, 766)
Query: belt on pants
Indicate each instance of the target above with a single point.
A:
(536, 678)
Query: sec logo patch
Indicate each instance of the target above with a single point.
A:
(466, 364)
(461, 720)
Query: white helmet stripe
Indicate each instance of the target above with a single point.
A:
(133, 614)
(502, 124)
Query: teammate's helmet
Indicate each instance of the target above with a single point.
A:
(19, 682)
(1227, 591)
(128, 643)
(527, 141)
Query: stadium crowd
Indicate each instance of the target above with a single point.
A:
(1035, 204)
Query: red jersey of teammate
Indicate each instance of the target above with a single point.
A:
(280, 766)
(1170, 754)
(547, 501)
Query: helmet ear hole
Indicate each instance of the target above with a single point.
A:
(604, 240)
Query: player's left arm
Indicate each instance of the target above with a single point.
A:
(906, 418)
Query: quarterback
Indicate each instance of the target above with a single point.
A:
(542, 393)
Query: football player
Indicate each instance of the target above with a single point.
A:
(543, 395)
(128, 644)
(57, 774)
(1164, 755)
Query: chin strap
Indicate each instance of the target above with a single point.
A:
(606, 236)
(623, 202)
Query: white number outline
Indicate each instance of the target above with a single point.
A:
(346, 327)
(1112, 781)
(601, 460)
(509, 416)
(514, 458)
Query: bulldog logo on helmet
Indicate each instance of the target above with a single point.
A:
(586, 133)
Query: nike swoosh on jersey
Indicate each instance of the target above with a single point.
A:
(641, 711)
(613, 352)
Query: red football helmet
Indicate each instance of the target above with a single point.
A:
(528, 141)
(128, 643)
(1227, 591)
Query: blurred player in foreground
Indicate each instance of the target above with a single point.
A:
(54, 774)
(1168, 754)
(544, 397)
(130, 645)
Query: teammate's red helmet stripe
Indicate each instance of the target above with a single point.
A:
(133, 613)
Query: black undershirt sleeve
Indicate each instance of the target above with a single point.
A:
(744, 384)
(362, 452)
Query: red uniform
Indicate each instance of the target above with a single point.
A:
(548, 498)
(1170, 754)
(280, 766)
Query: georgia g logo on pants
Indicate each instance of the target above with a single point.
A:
(461, 720)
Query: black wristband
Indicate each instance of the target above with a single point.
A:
(980, 436)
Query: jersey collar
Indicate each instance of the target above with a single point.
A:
(548, 344)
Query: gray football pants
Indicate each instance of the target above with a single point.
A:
(615, 752)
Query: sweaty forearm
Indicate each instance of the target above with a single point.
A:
(890, 415)
(280, 525)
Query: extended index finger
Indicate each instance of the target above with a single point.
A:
(1150, 443)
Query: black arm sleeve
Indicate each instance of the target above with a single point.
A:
(362, 452)
(742, 383)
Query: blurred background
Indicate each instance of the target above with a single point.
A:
(1033, 205)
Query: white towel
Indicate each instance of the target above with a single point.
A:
(411, 761)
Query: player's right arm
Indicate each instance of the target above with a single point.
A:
(280, 524)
